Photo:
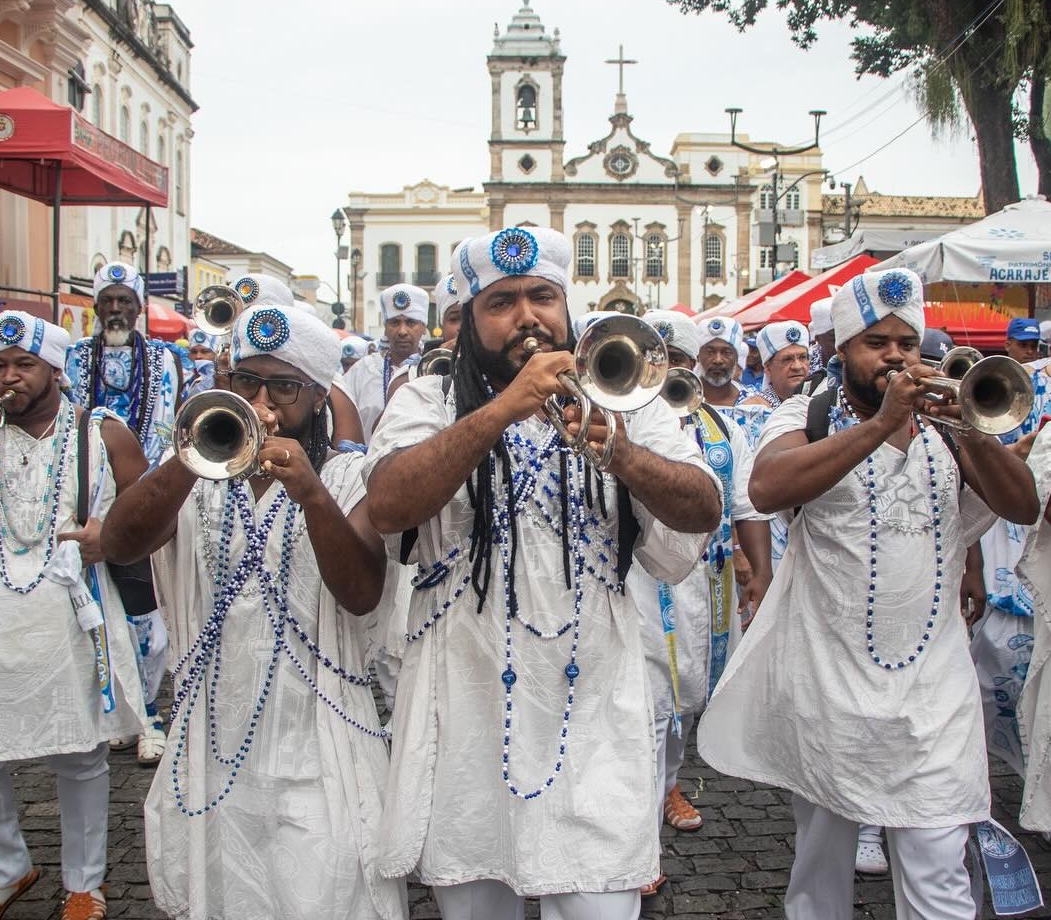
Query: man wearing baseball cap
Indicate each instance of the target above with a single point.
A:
(1023, 339)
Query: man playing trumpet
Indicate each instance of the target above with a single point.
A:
(269, 796)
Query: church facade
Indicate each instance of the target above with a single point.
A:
(648, 230)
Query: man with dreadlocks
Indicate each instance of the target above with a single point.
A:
(523, 759)
(268, 804)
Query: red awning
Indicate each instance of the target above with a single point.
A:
(40, 139)
(777, 286)
(795, 302)
(685, 310)
(165, 323)
(976, 324)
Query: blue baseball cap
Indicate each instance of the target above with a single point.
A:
(1023, 330)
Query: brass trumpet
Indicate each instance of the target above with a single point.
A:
(683, 391)
(8, 394)
(217, 435)
(620, 364)
(216, 309)
(437, 361)
(995, 394)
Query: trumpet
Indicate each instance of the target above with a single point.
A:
(620, 364)
(437, 361)
(683, 391)
(216, 309)
(217, 435)
(995, 394)
(8, 394)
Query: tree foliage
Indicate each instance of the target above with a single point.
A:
(983, 52)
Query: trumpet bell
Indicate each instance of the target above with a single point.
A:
(958, 361)
(621, 363)
(437, 361)
(216, 309)
(683, 391)
(217, 435)
(995, 395)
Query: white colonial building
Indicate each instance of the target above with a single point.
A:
(647, 229)
(125, 66)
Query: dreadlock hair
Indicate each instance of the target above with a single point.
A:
(472, 391)
(318, 442)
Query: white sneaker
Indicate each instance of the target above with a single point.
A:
(122, 744)
(151, 744)
(870, 859)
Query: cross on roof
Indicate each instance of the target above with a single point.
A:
(620, 61)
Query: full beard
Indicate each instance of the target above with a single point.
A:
(866, 392)
(116, 333)
(716, 378)
(498, 366)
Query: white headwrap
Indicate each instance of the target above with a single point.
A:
(677, 330)
(580, 323)
(445, 295)
(260, 290)
(200, 337)
(777, 336)
(872, 296)
(721, 327)
(354, 346)
(119, 273)
(820, 317)
(1045, 331)
(742, 354)
(295, 336)
(404, 300)
(536, 251)
(39, 337)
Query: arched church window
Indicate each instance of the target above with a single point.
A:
(525, 107)
(585, 247)
(390, 264)
(655, 243)
(620, 255)
(713, 256)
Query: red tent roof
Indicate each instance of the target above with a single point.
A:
(164, 323)
(39, 140)
(795, 302)
(682, 308)
(771, 289)
(974, 324)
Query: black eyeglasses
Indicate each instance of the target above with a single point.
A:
(283, 390)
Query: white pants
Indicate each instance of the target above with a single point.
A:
(671, 752)
(83, 798)
(930, 879)
(491, 900)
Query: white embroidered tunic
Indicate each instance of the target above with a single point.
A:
(803, 706)
(295, 836)
(367, 383)
(50, 695)
(449, 813)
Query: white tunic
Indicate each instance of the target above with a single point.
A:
(449, 814)
(692, 598)
(802, 704)
(367, 383)
(1034, 707)
(50, 697)
(295, 838)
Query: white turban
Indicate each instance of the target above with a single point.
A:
(778, 336)
(820, 317)
(742, 354)
(354, 346)
(260, 290)
(725, 328)
(677, 330)
(872, 296)
(404, 300)
(580, 323)
(39, 337)
(1045, 331)
(119, 273)
(200, 337)
(536, 251)
(295, 336)
(445, 295)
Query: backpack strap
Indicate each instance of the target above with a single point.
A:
(817, 415)
(807, 387)
(627, 531)
(717, 417)
(82, 466)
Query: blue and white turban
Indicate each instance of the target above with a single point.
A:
(873, 296)
(404, 300)
(820, 317)
(295, 336)
(119, 273)
(779, 336)
(580, 323)
(37, 336)
(354, 346)
(260, 290)
(200, 337)
(677, 330)
(445, 295)
(514, 251)
(725, 328)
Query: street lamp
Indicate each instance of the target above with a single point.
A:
(339, 224)
(355, 261)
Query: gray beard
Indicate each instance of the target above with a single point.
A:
(116, 336)
(716, 380)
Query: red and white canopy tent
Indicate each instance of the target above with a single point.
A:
(51, 154)
(770, 289)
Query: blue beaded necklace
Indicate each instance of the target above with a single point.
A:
(50, 502)
(870, 482)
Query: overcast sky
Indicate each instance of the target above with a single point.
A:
(301, 103)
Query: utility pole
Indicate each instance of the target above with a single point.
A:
(846, 210)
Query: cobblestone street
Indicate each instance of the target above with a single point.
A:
(734, 868)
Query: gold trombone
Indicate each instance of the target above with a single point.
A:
(620, 364)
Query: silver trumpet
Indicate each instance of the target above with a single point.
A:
(683, 391)
(216, 309)
(217, 435)
(8, 394)
(438, 361)
(995, 394)
(620, 364)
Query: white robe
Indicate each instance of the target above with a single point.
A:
(50, 699)
(803, 706)
(1034, 707)
(449, 814)
(296, 836)
(365, 386)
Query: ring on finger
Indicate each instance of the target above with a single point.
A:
(288, 456)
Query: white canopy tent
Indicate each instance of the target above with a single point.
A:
(868, 241)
